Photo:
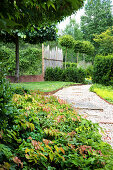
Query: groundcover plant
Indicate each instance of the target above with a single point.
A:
(47, 133)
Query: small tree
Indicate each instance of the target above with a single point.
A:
(83, 47)
(66, 41)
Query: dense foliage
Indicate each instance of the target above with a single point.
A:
(6, 106)
(66, 41)
(72, 74)
(48, 133)
(106, 92)
(40, 35)
(34, 12)
(103, 70)
(98, 17)
(83, 47)
(105, 41)
(30, 60)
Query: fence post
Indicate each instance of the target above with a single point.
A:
(43, 60)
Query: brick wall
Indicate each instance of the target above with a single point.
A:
(27, 78)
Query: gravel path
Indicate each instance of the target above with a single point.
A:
(91, 107)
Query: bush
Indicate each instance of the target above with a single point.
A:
(20, 90)
(53, 74)
(6, 105)
(72, 74)
(103, 70)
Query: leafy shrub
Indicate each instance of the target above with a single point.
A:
(69, 74)
(48, 133)
(20, 90)
(72, 74)
(6, 106)
(103, 70)
(81, 75)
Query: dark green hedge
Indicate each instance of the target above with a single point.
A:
(69, 74)
(30, 60)
(103, 70)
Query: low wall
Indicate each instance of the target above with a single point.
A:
(27, 78)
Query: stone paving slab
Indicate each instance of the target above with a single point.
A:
(91, 106)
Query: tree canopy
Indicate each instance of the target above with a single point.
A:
(66, 41)
(83, 47)
(26, 14)
(98, 17)
(105, 41)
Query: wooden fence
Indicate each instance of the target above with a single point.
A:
(51, 57)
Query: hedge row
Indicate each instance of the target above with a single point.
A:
(103, 70)
(69, 74)
(30, 60)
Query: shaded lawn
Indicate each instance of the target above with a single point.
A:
(45, 86)
(106, 92)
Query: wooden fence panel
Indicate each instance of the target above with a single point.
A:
(51, 58)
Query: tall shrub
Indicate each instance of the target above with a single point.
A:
(103, 70)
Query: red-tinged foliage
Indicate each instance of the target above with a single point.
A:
(18, 161)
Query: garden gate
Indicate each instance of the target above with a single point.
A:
(51, 57)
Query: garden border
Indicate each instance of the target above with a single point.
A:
(103, 98)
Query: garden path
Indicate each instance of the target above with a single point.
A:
(90, 106)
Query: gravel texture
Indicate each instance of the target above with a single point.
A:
(91, 107)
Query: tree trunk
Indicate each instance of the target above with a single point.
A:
(17, 58)
(43, 60)
(65, 57)
(77, 57)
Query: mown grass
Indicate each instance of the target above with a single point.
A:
(106, 92)
(45, 86)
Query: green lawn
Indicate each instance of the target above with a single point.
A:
(106, 92)
(46, 86)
